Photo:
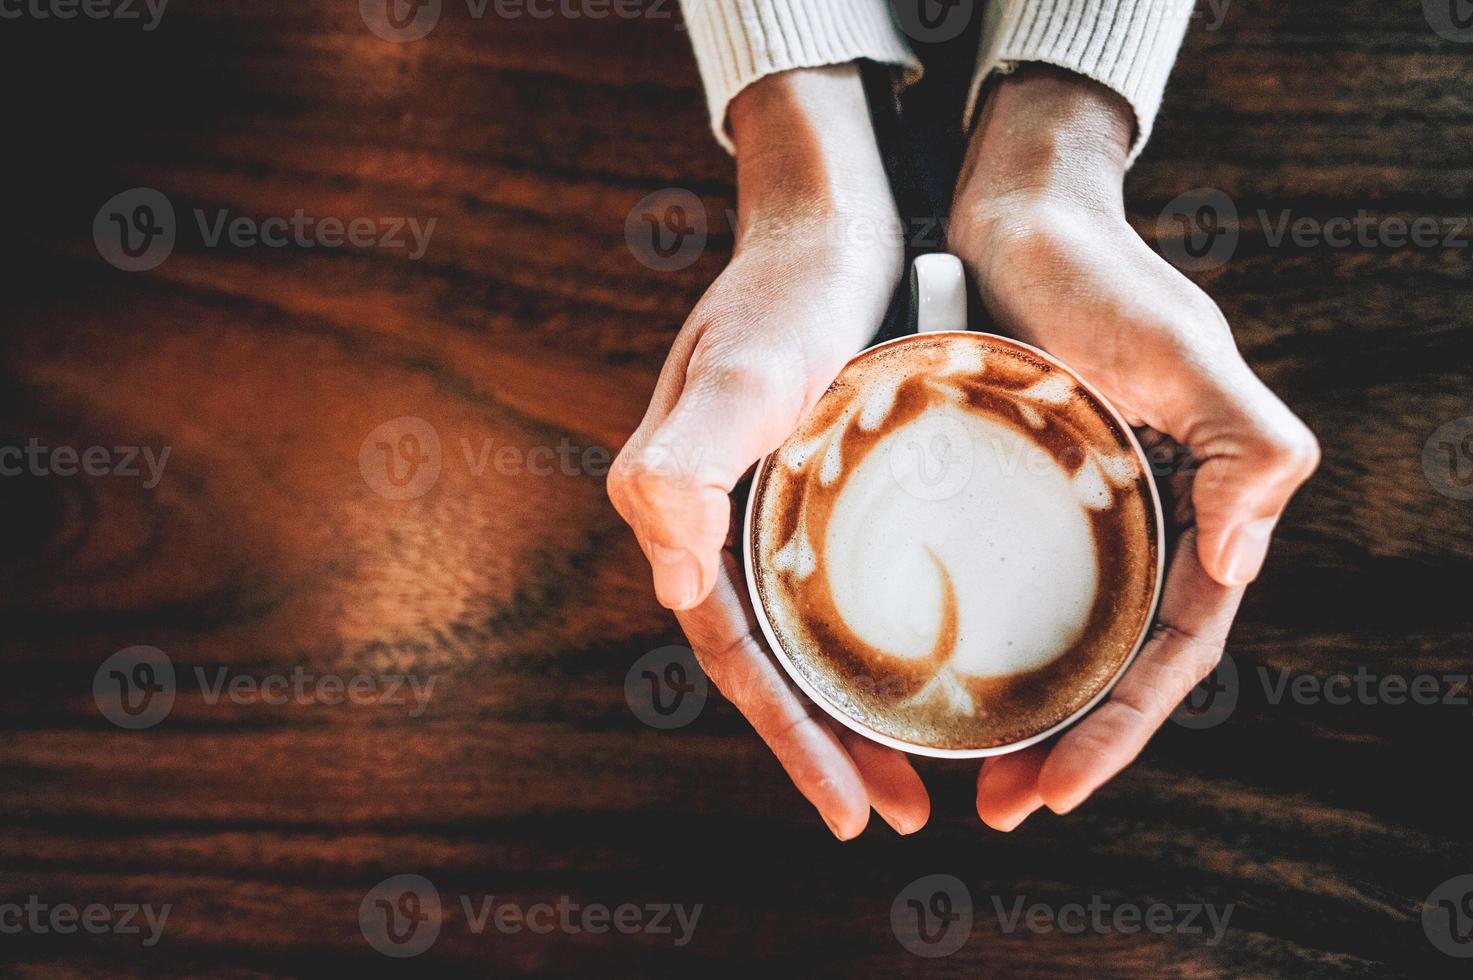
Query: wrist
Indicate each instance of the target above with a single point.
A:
(1046, 138)
(807, 158)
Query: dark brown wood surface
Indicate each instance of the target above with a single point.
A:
(529, 321)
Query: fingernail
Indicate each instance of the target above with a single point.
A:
(1246, 550)
(677, 576)
(833, 829)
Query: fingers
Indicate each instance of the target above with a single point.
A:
(1007, 787)
(761, 346)
(1253, 453)
(1196, 614)
(673, 481)
(1245, 482)
(720, 632)
(895, 789)
(735, 385)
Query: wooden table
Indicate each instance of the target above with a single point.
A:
(266, 548)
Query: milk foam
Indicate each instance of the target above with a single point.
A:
(1014, 539)
(958, 545)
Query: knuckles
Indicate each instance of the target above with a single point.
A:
(1289, 450)
(643, 479)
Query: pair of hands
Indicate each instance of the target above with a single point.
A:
(1039, 220)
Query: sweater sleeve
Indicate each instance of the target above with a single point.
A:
(1126, 45)
(739, 41)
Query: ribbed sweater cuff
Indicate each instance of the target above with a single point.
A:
(739, 41)
(1126, 45)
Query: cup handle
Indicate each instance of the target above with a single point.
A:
(938, 291)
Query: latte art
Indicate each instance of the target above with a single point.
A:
(958, 547)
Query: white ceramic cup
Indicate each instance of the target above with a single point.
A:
(939, 291)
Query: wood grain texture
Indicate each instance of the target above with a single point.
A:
(529, 322)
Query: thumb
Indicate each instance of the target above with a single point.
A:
(1254, 454)
(673, 481)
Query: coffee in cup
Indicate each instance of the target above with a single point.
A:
(960, 548)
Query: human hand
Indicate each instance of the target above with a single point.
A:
(1039, 218)
(818, 256)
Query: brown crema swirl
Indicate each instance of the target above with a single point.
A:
(921, 700)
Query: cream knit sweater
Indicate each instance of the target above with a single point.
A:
(1127, 45)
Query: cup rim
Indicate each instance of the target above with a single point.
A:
(911, 748)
